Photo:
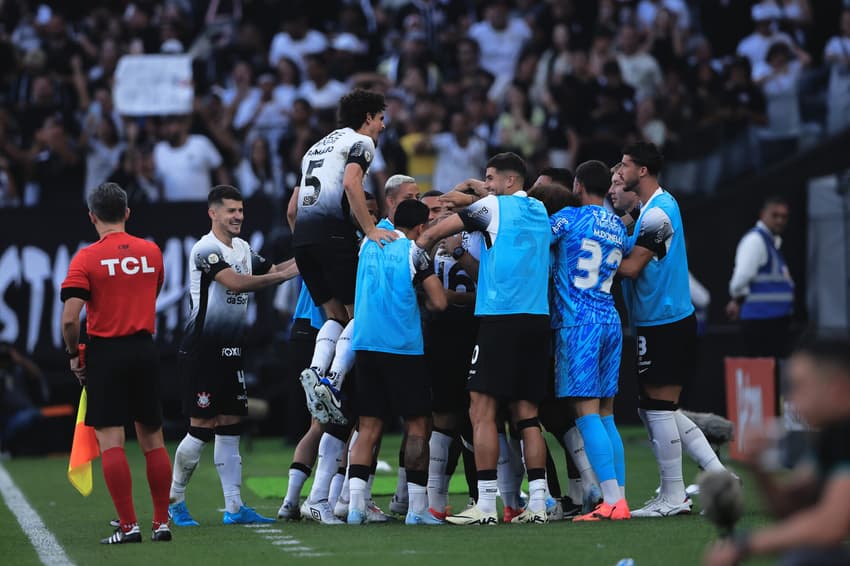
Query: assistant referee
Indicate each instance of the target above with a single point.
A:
(117, 279)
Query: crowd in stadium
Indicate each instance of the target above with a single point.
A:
(721, 86)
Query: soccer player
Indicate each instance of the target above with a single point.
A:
(330, 194)
(659, 304)
(117, 279)
(589, 243)
(222, 271)
(390, 362)
(509, 360)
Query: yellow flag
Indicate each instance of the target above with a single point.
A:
(84, 449)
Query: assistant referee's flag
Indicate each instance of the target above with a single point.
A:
(84, 449)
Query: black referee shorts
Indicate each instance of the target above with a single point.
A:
(122, 381)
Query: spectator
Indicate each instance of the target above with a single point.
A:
(519, 127)
(22, 388)
(559, 131)
(413, 54)
(296, 41)
(103, 151)
(755, 46)
(299, 136)
(554, 65)
(460, 154)
(648, 12)
(255, 175)
(650, 127)
(743, 109)
(666, 39)
(501, 39)
(796, 19)
(601, 50)
(421, 124)
(640, 69)
(263, 116)
(288, 81)
(779, 78)
(185, 162)
(837, 55)
(241, 95)
(58, 169)
(320, 90)
(137, 174)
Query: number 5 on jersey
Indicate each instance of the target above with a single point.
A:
(310, 197)
(592, 264)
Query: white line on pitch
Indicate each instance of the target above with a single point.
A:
(48, 548)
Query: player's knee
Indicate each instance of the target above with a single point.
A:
(204, 434)
(531, 423)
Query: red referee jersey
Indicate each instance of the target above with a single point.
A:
(119, 277)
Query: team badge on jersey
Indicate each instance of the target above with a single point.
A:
(203, 399)
(212, 258)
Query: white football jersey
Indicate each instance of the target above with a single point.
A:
(218, 315)
(323, 209)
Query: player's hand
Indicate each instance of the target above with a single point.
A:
(381, 236)
(456, 199)
(78, 369)
(453, 242)
(421, 259)
(733, 310)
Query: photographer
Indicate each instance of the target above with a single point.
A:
(811, 504)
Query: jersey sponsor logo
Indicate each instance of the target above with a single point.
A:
(203, 399)
(231, 352)
(129, 265)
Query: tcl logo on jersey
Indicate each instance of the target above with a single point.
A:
(129, 265)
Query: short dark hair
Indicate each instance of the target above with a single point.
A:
(431, 193)
(411, 213)
(357, 104)
(774, 199)
(554, 197)
(108, 202)
(826, 348)
(595, 176)
(645, 154)
(220, 192)
(508, 161)
(559, 175)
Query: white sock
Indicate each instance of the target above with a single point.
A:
(695, 443)
(622, 492)
(326, 339)
(345, 494)
(668, 446)
(610, 491)
(439, 450)
(186, 459)
(369, 484)
(575, 444)
(401, 485)
(358, 492)
(228, 463)
(330, 458)
(343, 356)
(574, 491)
(336, 488)
(487, 496)
(296, 482)
(505, 478)
(418, 498)
(537, 496)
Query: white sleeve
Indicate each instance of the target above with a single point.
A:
(700, 296)
(749, 257)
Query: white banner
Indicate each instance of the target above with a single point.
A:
(154, 84)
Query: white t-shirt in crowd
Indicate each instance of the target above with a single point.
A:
(455, 163)
(500, 49)
(783, 104)
(755, 46)
(284, 46)
(641, 72)
(185, 170)
(323, 98)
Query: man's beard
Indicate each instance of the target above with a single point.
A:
(631, 186)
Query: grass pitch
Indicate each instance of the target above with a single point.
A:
(78, 523)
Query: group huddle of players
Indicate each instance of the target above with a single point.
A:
(519, 332)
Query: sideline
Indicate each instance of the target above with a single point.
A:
(48, 548)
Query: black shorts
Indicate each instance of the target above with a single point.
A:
(213, 382)
(122, 381)
(510, 360)
(329, 269)
(391, 384)
(667, 353)
(302, 341)
(448, 349)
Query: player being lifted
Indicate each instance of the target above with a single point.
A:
(325, 243)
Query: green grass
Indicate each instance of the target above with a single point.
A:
(78, 523)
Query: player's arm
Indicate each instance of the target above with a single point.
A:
(436, 299)
(287, 267)
(241, 283)
(444, 228)
(292, 208)
(632, 266)
(71, 310)
(352, 182)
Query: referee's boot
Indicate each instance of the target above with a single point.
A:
(120, 536)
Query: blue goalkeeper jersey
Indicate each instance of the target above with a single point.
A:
(588, 244)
